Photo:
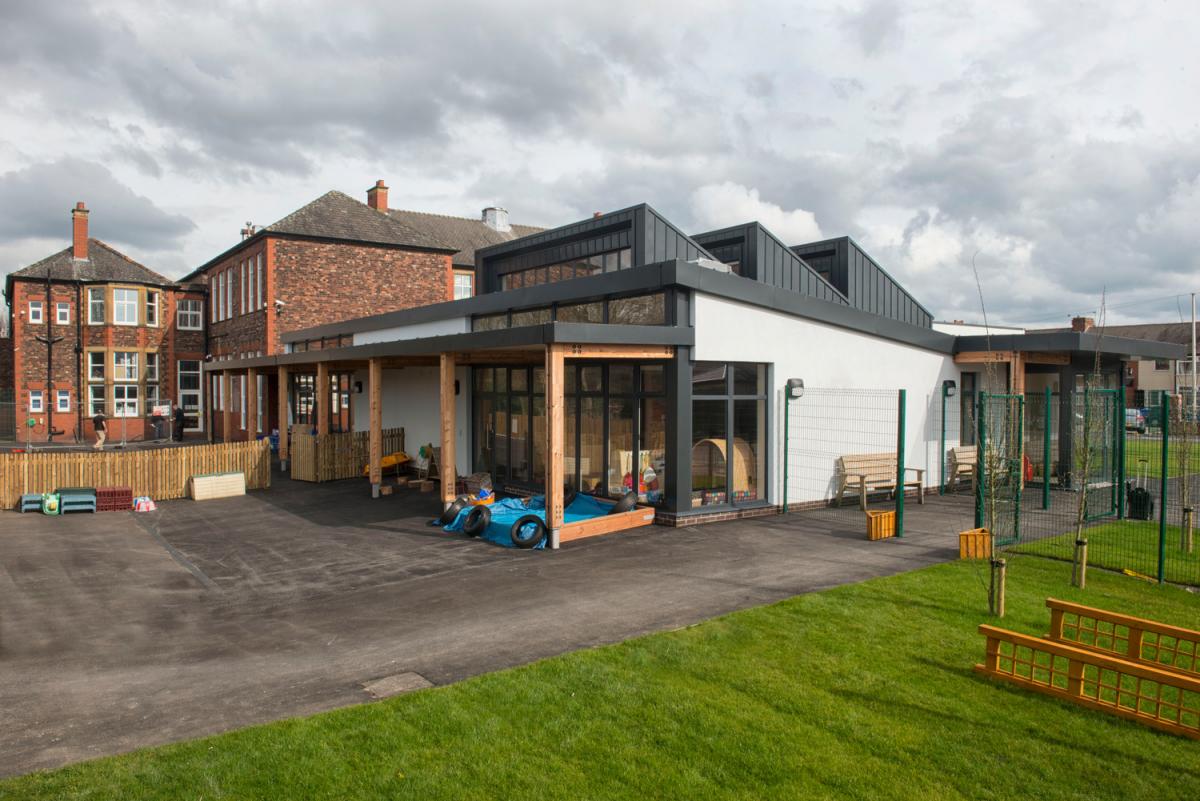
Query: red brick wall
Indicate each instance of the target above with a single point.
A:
(322, 282)
(29, 360)
(245, 330)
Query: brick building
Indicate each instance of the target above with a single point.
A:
(93, 330)
(334, 259)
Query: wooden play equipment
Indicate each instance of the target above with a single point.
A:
(709, 458)
(975, 543)
(874, 472)
(639, 516)
(880, 525)
(961, 461)
(332, 457)
(218, 485)
(1079, 662)
(1135, 639)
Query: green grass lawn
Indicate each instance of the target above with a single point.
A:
(1150, 449)
(1126, 544)
(863, 691)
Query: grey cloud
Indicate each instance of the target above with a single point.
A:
(875, 26)
(38, 200)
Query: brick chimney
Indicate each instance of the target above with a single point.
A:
(79, 232)
(377, 196)
(496, 218)
(1081, 325)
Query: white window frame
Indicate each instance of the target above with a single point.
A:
(189, 315)
(198, 391)
(37, 401)
(62, 400)
(470, 285)
(96, 294)
(96, 358)
(151, 367)
(213, 303)
(228, 293)
(245, 287)
(242, 387)
(126, 406)
(151, 293)
(93, 409)
(62, 313)
(125, 305)
(262, 277)
(125, 371)
(35, 313)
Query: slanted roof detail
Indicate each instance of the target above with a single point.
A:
(104, 263)
(467, 234)
(336, 215)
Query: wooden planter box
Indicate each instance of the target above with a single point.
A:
(975, 543)
(880, 525)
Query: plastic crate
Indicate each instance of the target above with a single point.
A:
(31, 503)
(77, 499)
(114, 499)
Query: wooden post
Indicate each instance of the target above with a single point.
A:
(321, 398)
(375, 393)
(226, 417)
(284, 428)
(554, 442)
(251, 404)
(996, 591)
(449, 471)
(1079, 568)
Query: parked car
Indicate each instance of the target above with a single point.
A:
(1135, 420)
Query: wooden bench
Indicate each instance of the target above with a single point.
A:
(962, 461)
(1163, 699)
(1146, 642)
(874, 472)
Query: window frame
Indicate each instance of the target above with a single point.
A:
(121, 406)
(730, 397)
(37, 311)
(128, 372)
(59, 396)
(97, 295)
(62, 310)
(156, 306)
(136, 304)
(40, 406)
(185, 313)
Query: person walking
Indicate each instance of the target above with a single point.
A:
(180, 421)
(98, 423)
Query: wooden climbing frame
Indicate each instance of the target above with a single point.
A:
(1146, 642)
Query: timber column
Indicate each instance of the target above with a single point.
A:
(554, 442)
(375, 393)
(284, 428)
(446, 463)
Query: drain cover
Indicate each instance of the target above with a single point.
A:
(395, 685)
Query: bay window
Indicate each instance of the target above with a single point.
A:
(125, 306)
(96, 305)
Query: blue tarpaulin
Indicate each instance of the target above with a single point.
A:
(510, 510)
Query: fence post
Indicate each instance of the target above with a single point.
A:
(980, 460)
(900, 472)
(1046, 460)
(942, 447)
(1162, 492)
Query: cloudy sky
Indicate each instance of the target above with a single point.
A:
(1057, 144)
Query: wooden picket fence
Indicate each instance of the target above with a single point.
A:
(330, 457)
(160, 473)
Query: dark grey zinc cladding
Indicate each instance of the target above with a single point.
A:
(504, 338)
(763, 257)
(860, 278)
(1074, 342)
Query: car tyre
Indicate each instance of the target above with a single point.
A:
(520, 538)
(477, 521)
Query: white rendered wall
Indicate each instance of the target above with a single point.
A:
(434, 328)
(411, 401)
(827, 357)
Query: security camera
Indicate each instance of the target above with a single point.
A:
(279, 304)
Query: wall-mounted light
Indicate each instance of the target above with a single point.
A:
(795, 388)
(949, 388)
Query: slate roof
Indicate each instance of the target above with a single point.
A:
(1175, 333)
(336, 215)
(462, 232)
(104, 263)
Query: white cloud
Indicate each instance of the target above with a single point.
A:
(724, 204)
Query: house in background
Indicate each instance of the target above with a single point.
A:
(333, 259)
(92, 330)
(1146, 380)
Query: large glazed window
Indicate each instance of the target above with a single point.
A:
(729, 433)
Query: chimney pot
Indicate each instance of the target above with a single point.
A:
(79, 232)
(596, 214)
(496, 218)
(377, 196)
(1081, 325)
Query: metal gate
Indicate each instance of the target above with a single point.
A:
(999, 463)
(1097, 437)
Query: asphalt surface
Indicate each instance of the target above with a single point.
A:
(119, 631)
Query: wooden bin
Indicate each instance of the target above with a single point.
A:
(975, 543)
(880, 525)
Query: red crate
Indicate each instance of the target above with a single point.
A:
(114, 499)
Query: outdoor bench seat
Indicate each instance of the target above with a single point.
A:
(874, 472)
(962, 461)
